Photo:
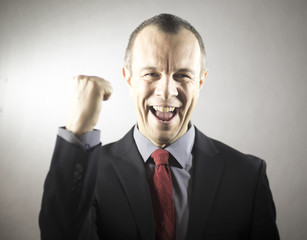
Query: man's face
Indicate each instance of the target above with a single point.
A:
(165, 81)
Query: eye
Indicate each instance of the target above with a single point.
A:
(181, 76)
(151, 76)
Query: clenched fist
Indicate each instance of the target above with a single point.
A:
(86, 100)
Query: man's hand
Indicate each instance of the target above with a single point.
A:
(86, 100)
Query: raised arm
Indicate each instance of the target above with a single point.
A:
(68, 205)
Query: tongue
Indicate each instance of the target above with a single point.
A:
(164, 116)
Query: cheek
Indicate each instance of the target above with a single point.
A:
(189, 98)
(141, 92)
(187, 94)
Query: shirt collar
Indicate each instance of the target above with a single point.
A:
(181, 149)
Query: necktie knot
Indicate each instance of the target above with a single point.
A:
(160, 157)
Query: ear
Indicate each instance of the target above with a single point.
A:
(202, 79)
(127, 76)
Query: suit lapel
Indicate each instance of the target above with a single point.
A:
(133, 177)
(206, 175)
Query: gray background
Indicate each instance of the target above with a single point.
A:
(254, 98)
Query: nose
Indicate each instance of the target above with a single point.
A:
(166, 87)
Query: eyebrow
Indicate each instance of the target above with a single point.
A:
(187, 70)
(148, 68)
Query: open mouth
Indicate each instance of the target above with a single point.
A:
(164, 113)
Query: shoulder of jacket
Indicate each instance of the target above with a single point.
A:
(231, 154)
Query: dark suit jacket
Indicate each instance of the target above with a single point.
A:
(103, 193)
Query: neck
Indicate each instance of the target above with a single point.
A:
(165, 142)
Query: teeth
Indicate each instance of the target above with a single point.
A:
(164, 109)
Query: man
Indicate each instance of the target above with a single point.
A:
(164, 179)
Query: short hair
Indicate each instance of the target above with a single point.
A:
(167, 23)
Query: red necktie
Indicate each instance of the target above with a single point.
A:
(162, 197)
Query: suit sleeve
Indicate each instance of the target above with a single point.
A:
(68, 204)
(264, 217)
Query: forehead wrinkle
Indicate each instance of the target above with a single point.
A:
(157, 55)
(187, 59)
(157, 46)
